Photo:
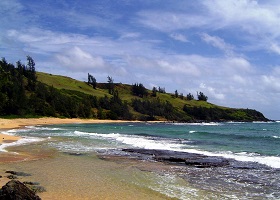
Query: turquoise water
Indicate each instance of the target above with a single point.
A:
(258, 142)
(255, 144)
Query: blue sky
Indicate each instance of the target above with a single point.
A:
(229, 50)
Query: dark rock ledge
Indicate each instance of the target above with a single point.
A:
(174, 157)
(15, 190)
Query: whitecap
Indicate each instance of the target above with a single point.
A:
(192, 131)
(271, 161)
(167, 144)
(22, 141)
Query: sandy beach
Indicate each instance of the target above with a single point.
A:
(20, 122)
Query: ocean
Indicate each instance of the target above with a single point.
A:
(252, 151)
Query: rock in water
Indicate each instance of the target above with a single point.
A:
(15, 190)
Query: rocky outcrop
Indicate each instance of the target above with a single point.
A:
(15, 190)
(190, 159)
(18, 173)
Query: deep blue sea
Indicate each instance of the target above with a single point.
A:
(257, 144)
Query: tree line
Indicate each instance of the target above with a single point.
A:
(22, 95)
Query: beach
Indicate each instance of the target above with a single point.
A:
(6, 124)
(63, 176)
(96, 159)
(21, 122)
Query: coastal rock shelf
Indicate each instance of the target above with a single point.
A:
(213, 173)
(190, 159)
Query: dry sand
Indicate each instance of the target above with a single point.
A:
(17, 123)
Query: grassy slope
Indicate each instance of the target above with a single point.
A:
(62, 82)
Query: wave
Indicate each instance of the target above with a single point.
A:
(233, 122)
(44, 128)
(30, 128)
(146, 142)
(197, 124)
(22, 141)
(177, 145)
(271, 161)
(192, 131)
(263, 122)
(14, 131)
(235, 136)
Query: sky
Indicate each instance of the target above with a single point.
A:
(229, 50)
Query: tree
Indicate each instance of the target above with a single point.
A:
(31, 73)
(201, 96)
(92, 81)
(181, 96)
(176, 94)
(31, 67)
(110, 85)
(161, 90)
(190, 96)
(139, 90)
(154, 92)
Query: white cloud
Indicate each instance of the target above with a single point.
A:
(130, 35)
(238, 65)
(177, 67)
(276, 70)
(250, 15)
(211, 92)
(79, 60)
(170, 21)
(179, 37)
(272, 83)
(218, 42)
(255, 23)
(275, 48)
(239, 79)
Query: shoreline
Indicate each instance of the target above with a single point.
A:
(20, 122)
(38, 161)
(145, 167)
(9, 124)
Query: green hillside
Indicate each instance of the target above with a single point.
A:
(124, 91)
(25, 92)
(63, 82)
(67, 83)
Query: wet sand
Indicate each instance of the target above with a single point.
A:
(69, 177)
(4, 138)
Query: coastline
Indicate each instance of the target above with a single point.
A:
(8, 124)
(20, 122)
(39, 162)
(144, 173)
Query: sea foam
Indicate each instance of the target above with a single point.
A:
(166, 144)
(19, 142)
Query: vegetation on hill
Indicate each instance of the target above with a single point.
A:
(25, 92)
